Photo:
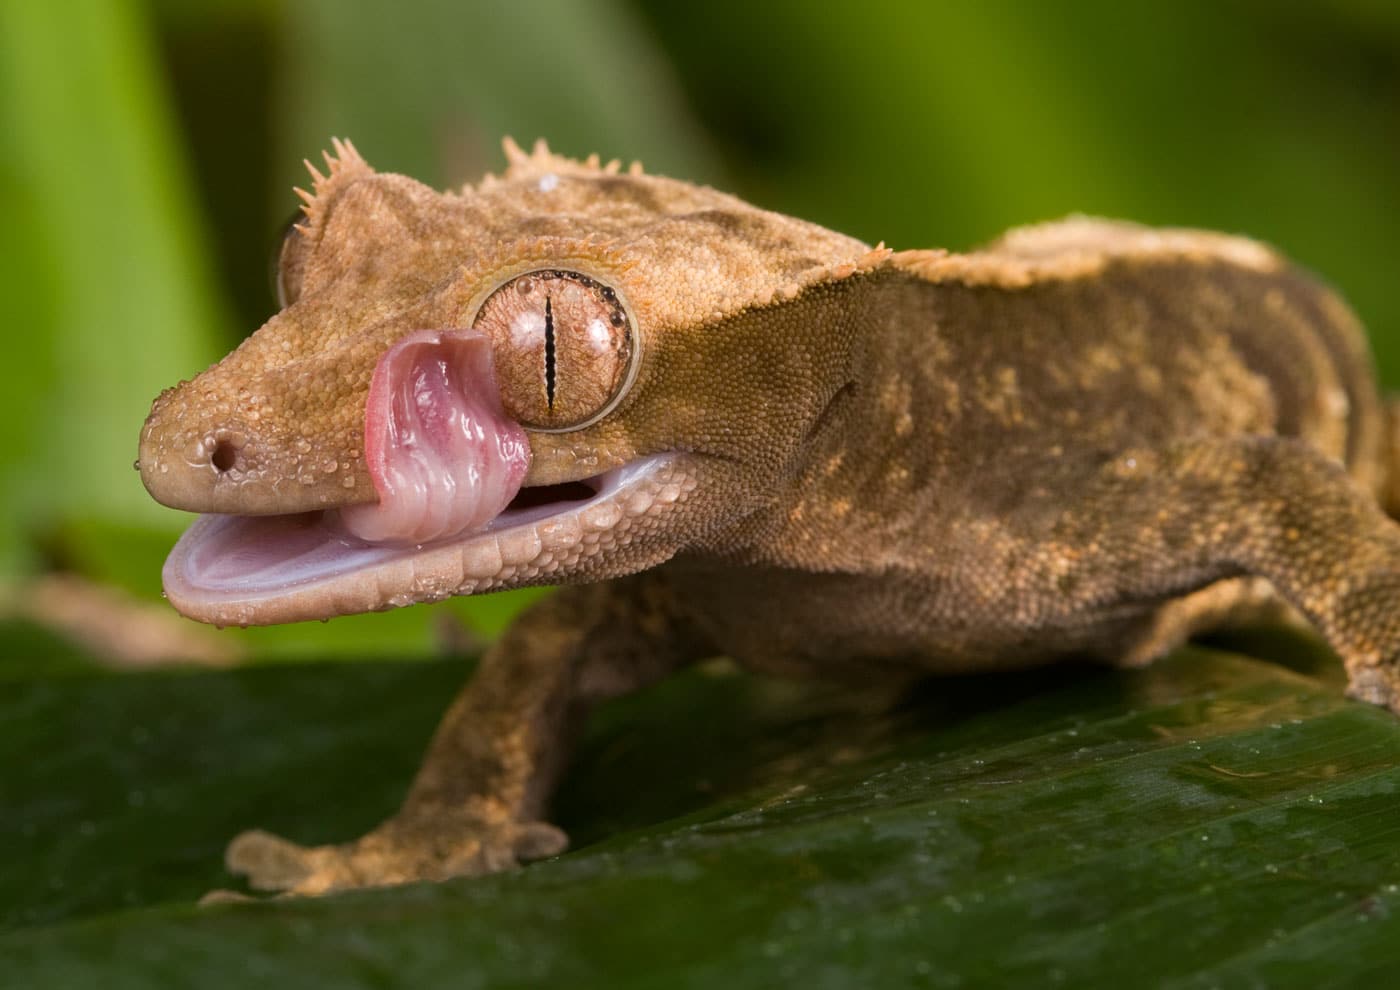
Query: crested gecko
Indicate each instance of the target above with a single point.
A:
(730, 432)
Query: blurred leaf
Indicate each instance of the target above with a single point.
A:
(1210, 821)
(942, 124)
(108, 299)
(428, 88)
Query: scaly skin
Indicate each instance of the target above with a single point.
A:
(1087, 439)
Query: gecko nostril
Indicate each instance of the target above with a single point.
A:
(223, 458)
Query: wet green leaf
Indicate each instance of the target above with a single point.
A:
(1215, 820)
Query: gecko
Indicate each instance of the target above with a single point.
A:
(728, 432)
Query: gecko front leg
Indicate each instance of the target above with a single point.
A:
(477, 804)
(1151, 525)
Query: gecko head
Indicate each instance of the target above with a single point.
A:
(564, 373)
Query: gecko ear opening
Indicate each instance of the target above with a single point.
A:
(565, 345)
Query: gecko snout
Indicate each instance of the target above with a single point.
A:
(230, 468)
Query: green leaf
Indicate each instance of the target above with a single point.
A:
(104, 296)
(1214, 820)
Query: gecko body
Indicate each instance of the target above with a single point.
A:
(727, 431)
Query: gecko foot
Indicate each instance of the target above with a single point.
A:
(398, 852)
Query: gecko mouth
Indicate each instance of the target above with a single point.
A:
(452, 518)
(259, 570)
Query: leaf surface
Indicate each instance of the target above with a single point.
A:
(1209, 821)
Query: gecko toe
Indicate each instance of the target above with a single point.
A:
(1372, 684)
(223, 896)
(268, 861)
(539, 840)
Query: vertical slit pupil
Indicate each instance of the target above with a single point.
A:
(549, 351)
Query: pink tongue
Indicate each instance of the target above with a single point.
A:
(444, 457)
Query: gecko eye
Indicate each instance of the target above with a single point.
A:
(564, 347)
(288, 264)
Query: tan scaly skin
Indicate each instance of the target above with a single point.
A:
(1090, 438)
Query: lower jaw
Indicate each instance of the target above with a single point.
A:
(261, 570)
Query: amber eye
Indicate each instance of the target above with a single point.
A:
(564, 347)
(287, 265)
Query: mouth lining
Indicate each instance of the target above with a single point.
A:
(534, 496)
(240, 570)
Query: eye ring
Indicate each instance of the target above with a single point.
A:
(582, 346)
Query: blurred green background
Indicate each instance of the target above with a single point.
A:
(1223, 819)
(147, 152)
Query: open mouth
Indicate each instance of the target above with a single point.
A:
(452, 518)
(259, 570)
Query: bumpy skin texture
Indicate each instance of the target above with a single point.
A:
(1089, 438)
